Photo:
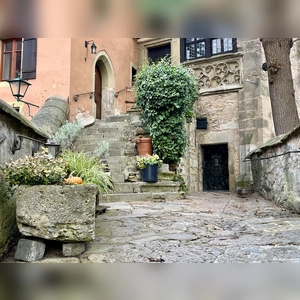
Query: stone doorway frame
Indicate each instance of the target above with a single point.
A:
(105, 65)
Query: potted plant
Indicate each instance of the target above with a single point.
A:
(149, 165)
(56, 197)
(143, 141)
(166, 94)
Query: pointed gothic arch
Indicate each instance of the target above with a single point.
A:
(103, 102)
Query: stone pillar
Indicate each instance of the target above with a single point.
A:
(52, 115)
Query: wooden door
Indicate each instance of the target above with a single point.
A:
(98, 92)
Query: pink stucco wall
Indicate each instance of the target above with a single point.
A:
(52, 73)
(121, 53)
(62, 70)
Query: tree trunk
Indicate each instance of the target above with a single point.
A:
(282, 94)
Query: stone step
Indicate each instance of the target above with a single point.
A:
(106, 132)
(115, 168)
(112, 160)
(120, 118)
(118, 177)
(115, 148)
(106, 126)
(145, 187)
(131, 197)
(100, 136)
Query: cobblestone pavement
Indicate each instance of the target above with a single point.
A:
(204, 227)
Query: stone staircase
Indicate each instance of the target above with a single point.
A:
(121, 158)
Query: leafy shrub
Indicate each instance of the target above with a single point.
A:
(143, 161)
(35, 170)
(166, 94)
(67, 134)
(88, 168)
(101, 150)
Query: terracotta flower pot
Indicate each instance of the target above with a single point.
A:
(144, 146)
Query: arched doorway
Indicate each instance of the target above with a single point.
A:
(98, 91)
(103, 85)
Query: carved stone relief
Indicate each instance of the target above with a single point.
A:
(218, 74)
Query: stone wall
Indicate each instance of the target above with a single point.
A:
(233, 97)
(12, 123)
(221, 111)
(275, 169)
(8, 226)
(188, 166)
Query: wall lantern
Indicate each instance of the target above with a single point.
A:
(93, 47)
(19, 87)
(53, 148)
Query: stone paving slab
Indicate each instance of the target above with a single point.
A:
(204, 227)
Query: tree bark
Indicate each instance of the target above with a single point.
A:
(281, 88)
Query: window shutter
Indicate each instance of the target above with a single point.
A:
(182, 50)
(29, 59)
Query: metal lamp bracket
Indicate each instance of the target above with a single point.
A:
(18, 139)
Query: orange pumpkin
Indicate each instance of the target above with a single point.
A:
(73, 180)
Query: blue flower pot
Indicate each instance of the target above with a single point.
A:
(149, 174)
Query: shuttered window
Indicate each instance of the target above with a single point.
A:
(14, 54)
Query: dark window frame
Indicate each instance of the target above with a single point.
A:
(13, 52)
(156, 49)
(208, 47)
(28, 56)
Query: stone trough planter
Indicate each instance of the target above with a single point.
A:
(54, 212)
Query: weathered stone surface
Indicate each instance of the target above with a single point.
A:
(52, 114)
(11, 124)
(8, 225)
(164, 168)
(54, 212)
(275, 169)
(59, 260)
(166, 176)
(30, 250)
(73, 249)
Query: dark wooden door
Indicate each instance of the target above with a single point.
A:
(98, 92)
(215, 168)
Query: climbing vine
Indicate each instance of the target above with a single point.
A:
(166, 94)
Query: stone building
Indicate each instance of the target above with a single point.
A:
(233, 112)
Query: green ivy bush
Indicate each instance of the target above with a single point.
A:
(166, 94)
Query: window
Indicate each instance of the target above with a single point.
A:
(12, 51)
(159, 52)
(201, 123)
(133, 73)
(193, 48)
(19, 57)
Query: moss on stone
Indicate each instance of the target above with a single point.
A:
(243, 184)
(166, 176)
